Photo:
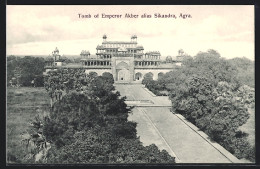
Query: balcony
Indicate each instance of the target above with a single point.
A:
(147, 59)
(97, 66)
(96, 59)
(123, 55)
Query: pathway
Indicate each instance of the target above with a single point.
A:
(156, 124)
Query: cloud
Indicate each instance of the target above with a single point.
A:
(39, 29)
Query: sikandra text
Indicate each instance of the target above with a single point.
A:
(130, 15)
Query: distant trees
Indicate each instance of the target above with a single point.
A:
(180, 52)
(77, 60)
(246, 70)
(32, 68)
(168, 59)
(67, 60)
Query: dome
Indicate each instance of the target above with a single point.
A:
(133, 37)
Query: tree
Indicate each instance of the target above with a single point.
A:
(98, 146)
(92, 127)
(206, 91)
(246, 70)
(31, 68)
(168, 59)
(148, 77)
(62, 81)
(180, 52)
(108, 77)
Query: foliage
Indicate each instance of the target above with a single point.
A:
(247, 95)
(168, 59)
(246, 70)
(90, 125)
(21, 108)
(154, 86)
(211, 66)
(67, 60)
(207, 91)
(60, 82)
(32, 69)
(77, 60)
(97, 145)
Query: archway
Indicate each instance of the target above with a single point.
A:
(106, 74)
(123, 75)
(93, 74)
(138, 76)
(149, 75)
(122, 65)
(160, 75)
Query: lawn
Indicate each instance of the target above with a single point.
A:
(22, 105)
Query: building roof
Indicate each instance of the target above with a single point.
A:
(153, 53)
(118, 42)
(139, 47)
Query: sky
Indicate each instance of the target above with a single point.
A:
(37, 30)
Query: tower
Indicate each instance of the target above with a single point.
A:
(104, 38)
(55, 54)
(133, 38)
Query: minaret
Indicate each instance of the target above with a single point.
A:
(134, 38)
(55, 53)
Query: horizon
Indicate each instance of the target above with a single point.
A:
(73, 56)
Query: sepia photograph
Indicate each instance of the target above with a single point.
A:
(130, 84)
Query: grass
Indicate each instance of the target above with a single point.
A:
(22, 105)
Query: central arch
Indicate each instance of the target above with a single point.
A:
(123, 75)
(122, 65)
(138, 76)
